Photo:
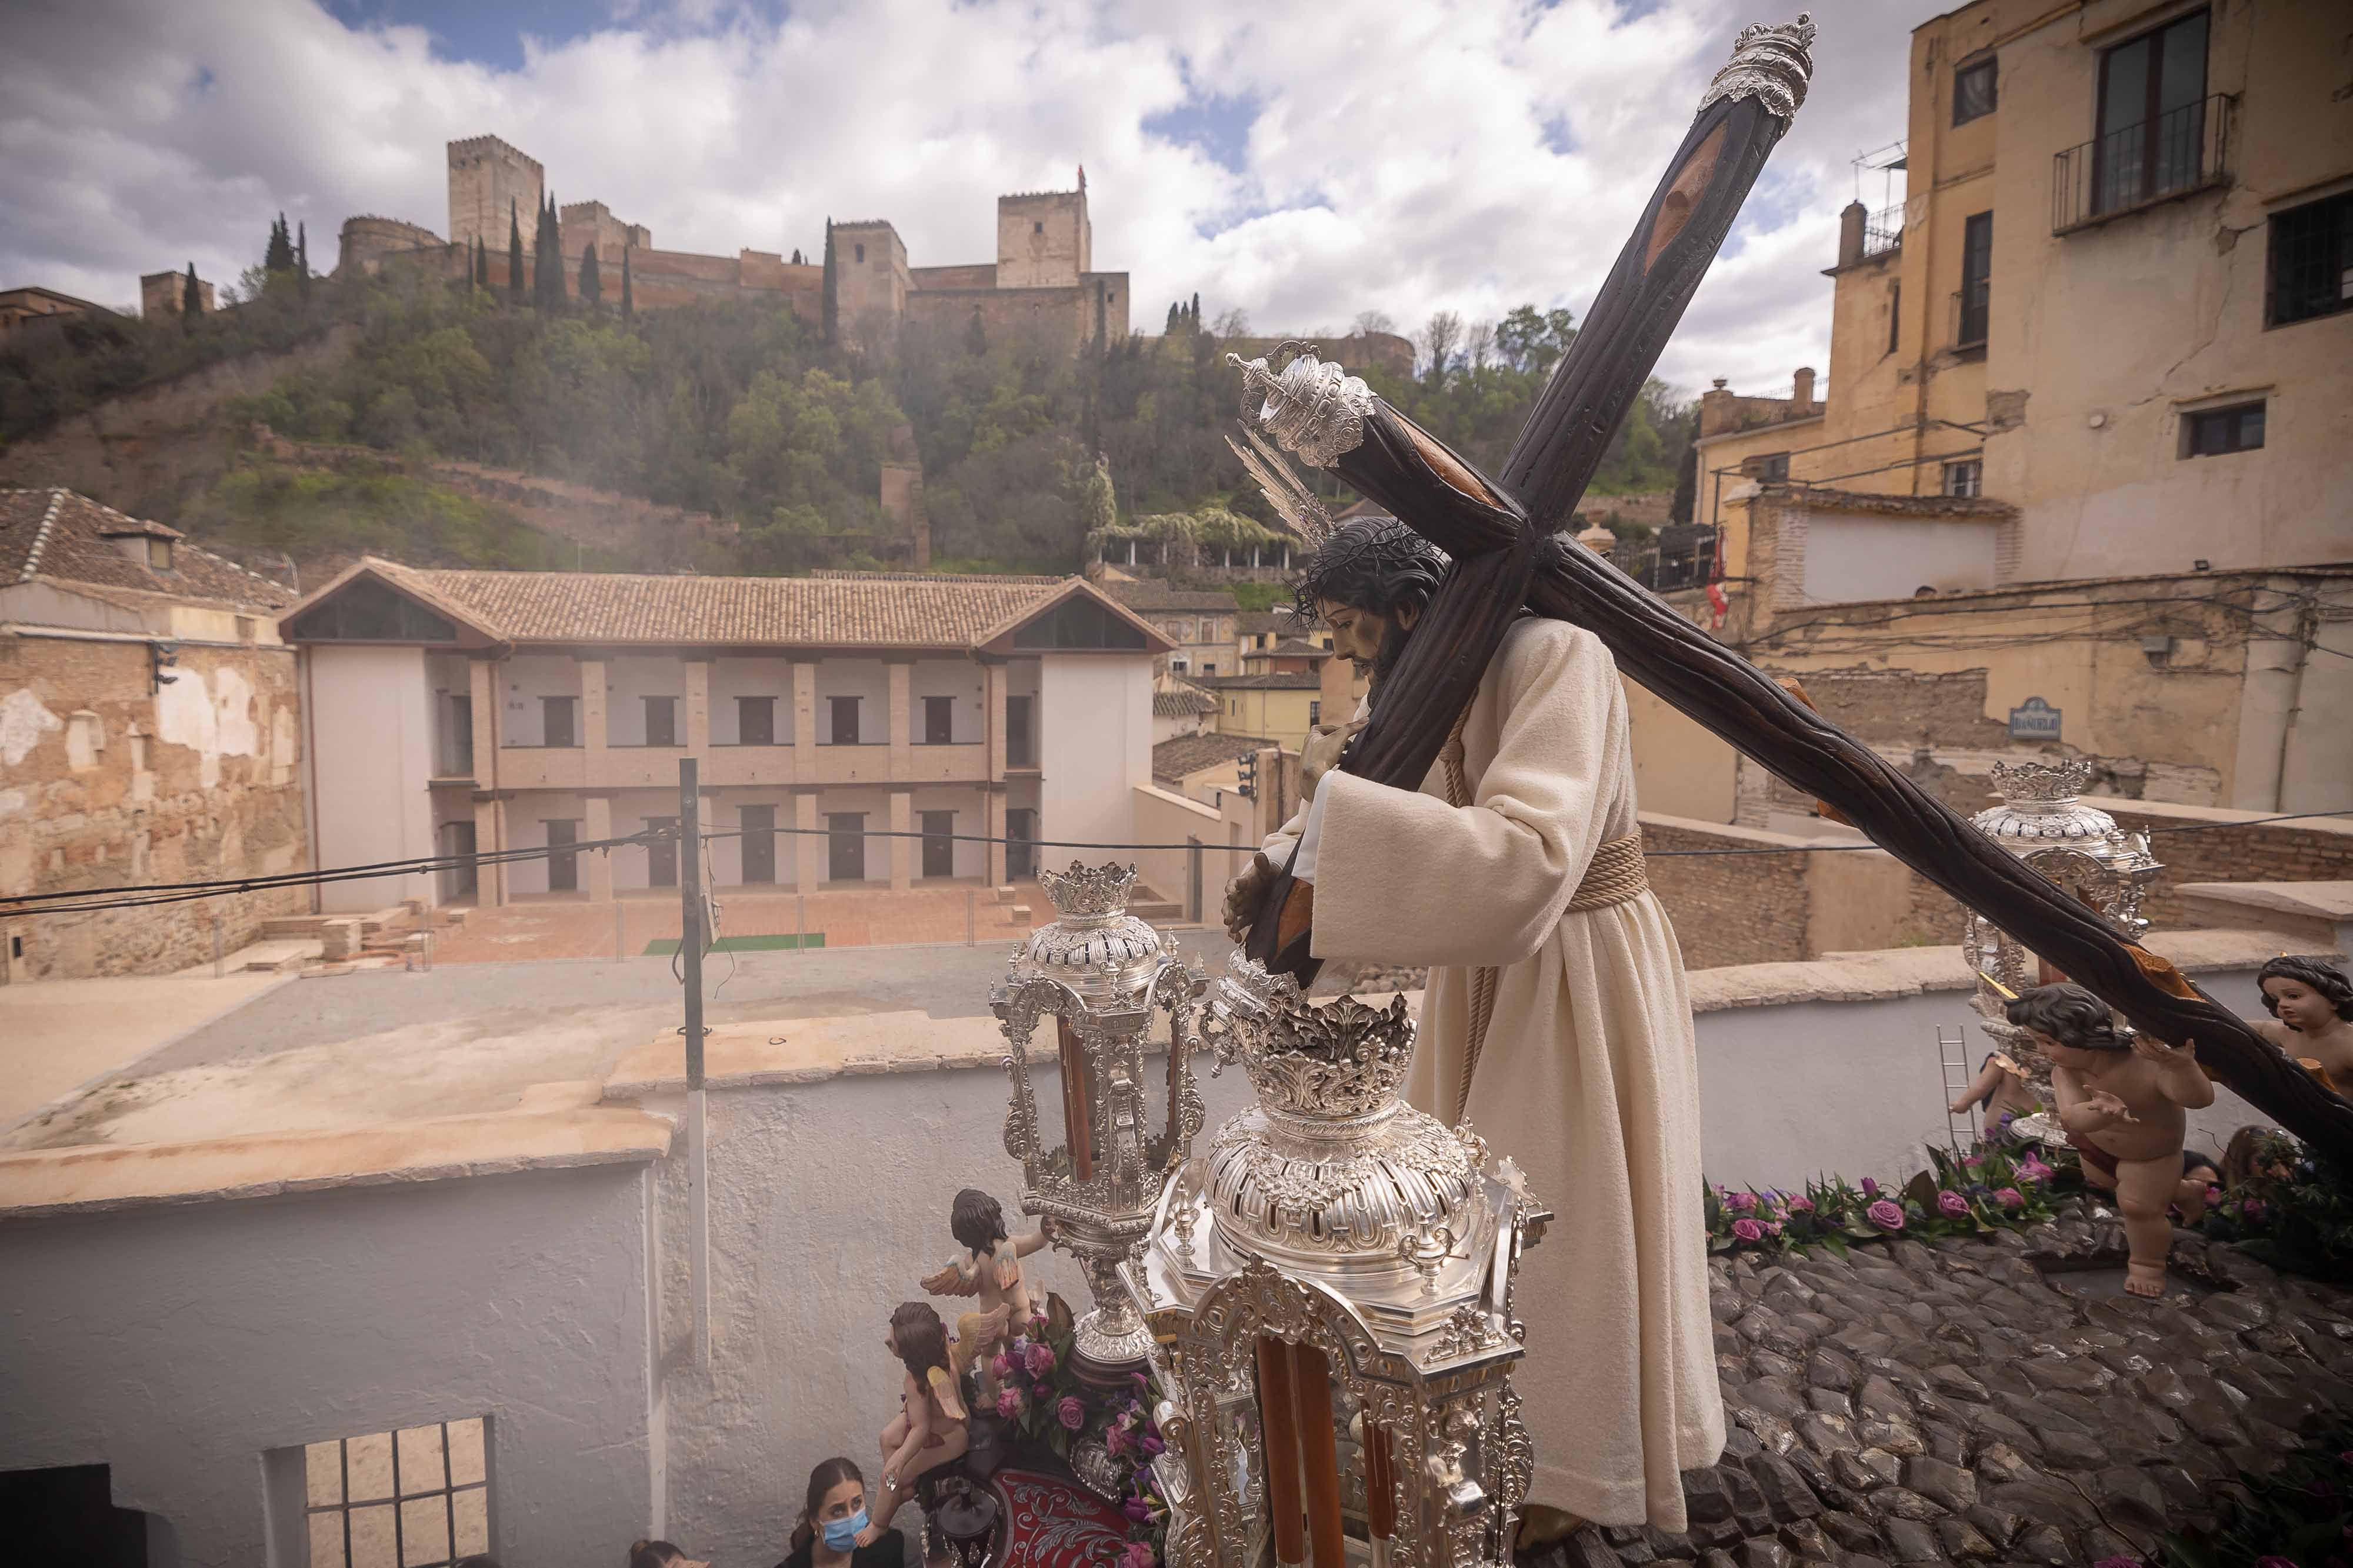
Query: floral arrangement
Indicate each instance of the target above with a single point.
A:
(1042, 1398)
(1961, 1194)
(2292, 1209)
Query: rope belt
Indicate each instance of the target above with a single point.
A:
(1615, 875)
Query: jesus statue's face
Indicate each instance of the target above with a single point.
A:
(1357, 635)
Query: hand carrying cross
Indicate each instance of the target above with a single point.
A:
(1510, 556)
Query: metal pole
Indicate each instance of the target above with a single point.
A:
(1193, 866)
(698, 1153)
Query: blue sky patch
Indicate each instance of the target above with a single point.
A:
(1217, 126)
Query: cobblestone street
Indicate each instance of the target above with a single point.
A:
(1986, 1400)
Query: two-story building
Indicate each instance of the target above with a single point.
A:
(465, 712)
(1200, 621)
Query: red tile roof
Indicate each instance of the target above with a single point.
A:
(65, 537)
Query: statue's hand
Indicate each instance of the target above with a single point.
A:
(1245, 893)
(1321, 754)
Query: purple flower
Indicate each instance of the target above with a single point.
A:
(1136, 1509)
(1747, 1230)
(1775, 1228)
(1740, 1203)
(1885, 1216)
(1138, 1556)
(1870, 1188)
(1008, 1400)
(1951, 1204)
(1039, 1361)
(1151, 1445)
(1070, 1413)
(2033, 1170)
(2008, 1117)
(2274, 1563)
(2011, 1198)
(2252, 1209)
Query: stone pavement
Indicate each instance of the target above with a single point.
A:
(1958, 1403)
(848, 917)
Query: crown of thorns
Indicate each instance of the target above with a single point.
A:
(1378, 554)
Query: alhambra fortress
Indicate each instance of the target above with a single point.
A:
(1043, 277)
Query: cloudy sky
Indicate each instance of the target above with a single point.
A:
(1304, 162)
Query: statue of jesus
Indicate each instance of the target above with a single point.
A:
(1556, 1020)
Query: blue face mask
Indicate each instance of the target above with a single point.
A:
(841, 1534)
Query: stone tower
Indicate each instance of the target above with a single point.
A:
(485, 176)
(1044, 238)
(871, 280)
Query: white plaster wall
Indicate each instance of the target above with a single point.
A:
(177, 1343)
(868, 680)
(828, 1201)
(371, 733)
(629, 681)
(1095, 722)
(520, 682)
(734, 678)
(1853, 1088)
(1849, 559)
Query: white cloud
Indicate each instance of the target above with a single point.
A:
(1401, 159)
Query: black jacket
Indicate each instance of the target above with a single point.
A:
(889, 1550)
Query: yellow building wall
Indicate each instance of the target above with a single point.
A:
(1279, 716)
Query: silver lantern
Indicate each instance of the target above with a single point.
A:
(2044, 820)
(1103, 975)
(1331, 1291)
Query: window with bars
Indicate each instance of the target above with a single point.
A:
(417, 1498)
(2312, 260)
(1964, 478)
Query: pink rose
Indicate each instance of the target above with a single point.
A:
(1773, 1229)
(2033, 1170)
(1116, 1441)
(2011, 1198)
(1008, 1400)
(1801, 1206)
(1002, 1365)
(1740, 1203)
(1951, 1204)
(1885, 1216)
(1138, 1556)
(1747, 1230)
(1973, 1161)
(1070, 1413)
(1041, 1360)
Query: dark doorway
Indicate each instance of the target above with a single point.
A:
(1018, 752)
(563, 868)
(845, 845)
(661, 855)
(759, 823)
(1020, 855)
(458, 744)
(755, 721)
(939, 720)
(556, 718)
(461, 880)
(68, 1515)
(662, 721)
(845, 721)
(939, 847)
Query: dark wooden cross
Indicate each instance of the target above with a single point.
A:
(1512, 556)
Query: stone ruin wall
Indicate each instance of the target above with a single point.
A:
(105, 785)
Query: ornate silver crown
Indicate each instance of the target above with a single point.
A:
(2056, 782)
(1089, 892)
(1771, 64)
(1341, 1059)
(1314, 409)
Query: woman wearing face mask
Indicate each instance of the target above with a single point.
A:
(831, 1521)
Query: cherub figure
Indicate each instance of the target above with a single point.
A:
(2001, 1090)
(933, 1427)
(989, 1268)
(2122, 1104)
(2312, 1005)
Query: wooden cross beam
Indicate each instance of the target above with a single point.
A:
(1511, 556)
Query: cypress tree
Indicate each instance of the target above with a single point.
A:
(192, 301)
(481, 264)
(975, 336)
(592, 287)
(515, 251)
(1197, 311)
(278, 257)
(629, 306)
(547, 257)
(1171, 328)
(830, 302)
(796, 258)
(302, 256)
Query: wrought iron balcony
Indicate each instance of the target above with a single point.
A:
(1883, 231)
(2180, 151)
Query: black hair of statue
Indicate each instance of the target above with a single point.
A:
(977, 1222)
(1376, 565)
(2312, 975)
(2069, 1015)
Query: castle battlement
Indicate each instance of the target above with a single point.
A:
(481, 146)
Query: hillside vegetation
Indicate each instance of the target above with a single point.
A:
(742, 410)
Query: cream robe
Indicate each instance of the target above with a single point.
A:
(1586, 1077)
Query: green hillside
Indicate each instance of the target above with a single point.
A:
(742, 410)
